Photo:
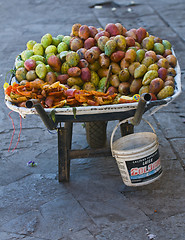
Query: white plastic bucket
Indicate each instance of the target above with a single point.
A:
(137, 156)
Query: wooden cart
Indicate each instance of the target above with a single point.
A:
(90, 114)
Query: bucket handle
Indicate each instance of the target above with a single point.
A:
(123, 121)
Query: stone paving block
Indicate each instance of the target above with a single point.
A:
(81, 234)
(170, 129)
(106, 212)
(104, 13)
(176, 106)
(25, 224)
(14, 236)
(174, 226)
(179, 145)
(94, 179)
(27, 194)
(60, 217)
(12, 171)
(180, 30)
(34, 238)
(173, 9)
(145, 230)
(134, 10)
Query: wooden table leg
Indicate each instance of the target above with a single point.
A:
(64, 144)
(69, 128)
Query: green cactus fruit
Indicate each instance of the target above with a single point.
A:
(65, 67)
(20, 74)
(140, 71)
(132, 67)
(72, 58)
(19, 64)
(140, 54)
(149, 76)
(46, 40)
(159, 48)
(74, 81)
(148, 43)
(166, 44)
(62, 47)
(38, 49)
(30, 44)
(49, 69)
(39, 62)
(101, 42)
(94, 66)
(144, 89)
(120, 42)
(41, 71)
(60, 37)
(38, 58)
(94, 78)
(153, 66)
(101, 84)
(167, 91)
(66, 39)
(26, 54)
(147, 61)
(55, 41)
(51, 49)
(110, 47)
(124, 75)
(89, 86)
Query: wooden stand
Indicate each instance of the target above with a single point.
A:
(65, 153)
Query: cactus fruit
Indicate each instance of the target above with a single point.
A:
(110, 47)
(140, 71)
(72, 58)
(65, 67)
(94, 78)
(149, 76)
(167, 91)
(120, 42)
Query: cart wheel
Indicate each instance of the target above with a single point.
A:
(126, 128)
(96, 134)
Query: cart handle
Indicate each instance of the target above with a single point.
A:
(48, 122)
(140, 108)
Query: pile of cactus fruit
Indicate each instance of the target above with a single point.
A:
(140, 62)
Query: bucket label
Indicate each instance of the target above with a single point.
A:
(146, 168)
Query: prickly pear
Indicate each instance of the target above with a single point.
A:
(110, 47)
(167, 91)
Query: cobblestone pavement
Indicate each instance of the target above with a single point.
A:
(95, 204)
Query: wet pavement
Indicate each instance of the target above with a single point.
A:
(95, 204)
